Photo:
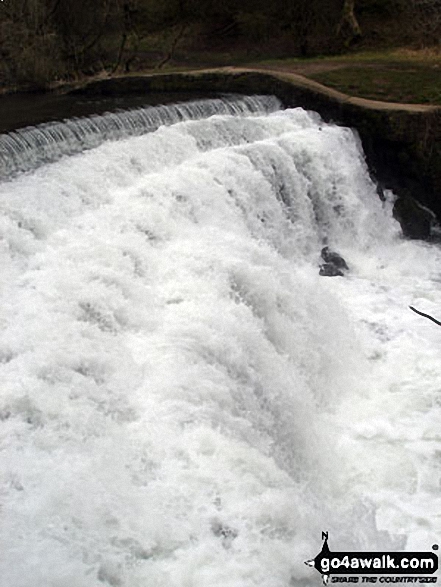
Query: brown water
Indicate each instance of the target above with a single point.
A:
(21, 110)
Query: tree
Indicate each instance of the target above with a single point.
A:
(28, 43)
(348, 28)
(425, 16)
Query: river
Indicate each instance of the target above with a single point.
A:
(185, 401)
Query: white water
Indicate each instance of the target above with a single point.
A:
(184, 401)
(30, 147)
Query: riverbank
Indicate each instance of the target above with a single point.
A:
(398, 75)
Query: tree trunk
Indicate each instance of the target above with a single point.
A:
(173, 45)
(348, 28)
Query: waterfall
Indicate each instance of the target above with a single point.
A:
(28, 148)
(185, 401)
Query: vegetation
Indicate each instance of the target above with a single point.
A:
(42, 41)
(398, 75)
(396, 82)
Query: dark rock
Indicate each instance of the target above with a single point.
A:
(226, 533)
(415, 219)
(330, 270)
(380, 192)
(333, 258)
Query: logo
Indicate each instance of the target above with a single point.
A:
(415, 564)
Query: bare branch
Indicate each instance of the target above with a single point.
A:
(425, 315)
(173, 45)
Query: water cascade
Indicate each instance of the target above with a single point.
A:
(184, 401)
(28, 148)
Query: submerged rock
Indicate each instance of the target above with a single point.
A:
(333, 258)
(330, 270)
(334, 264)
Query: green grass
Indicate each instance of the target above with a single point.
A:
(394, 75)
(390, 82)
(404, 55)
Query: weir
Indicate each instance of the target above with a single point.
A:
(30, 147)
(402, 142)
(184, 400)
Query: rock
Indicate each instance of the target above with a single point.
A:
(226, 533)
(330, 270)
(332, 258)
(414, 218)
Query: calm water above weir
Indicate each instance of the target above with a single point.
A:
(20, 110)
(184, 401)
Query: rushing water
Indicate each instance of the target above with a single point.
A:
(30, 147)
(184, 401)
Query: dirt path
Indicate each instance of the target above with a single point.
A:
(306, 68)
(302, 81)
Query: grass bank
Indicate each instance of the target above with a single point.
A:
(397, 75)
(400, 75)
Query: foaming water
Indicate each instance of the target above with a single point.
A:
(184, 400)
